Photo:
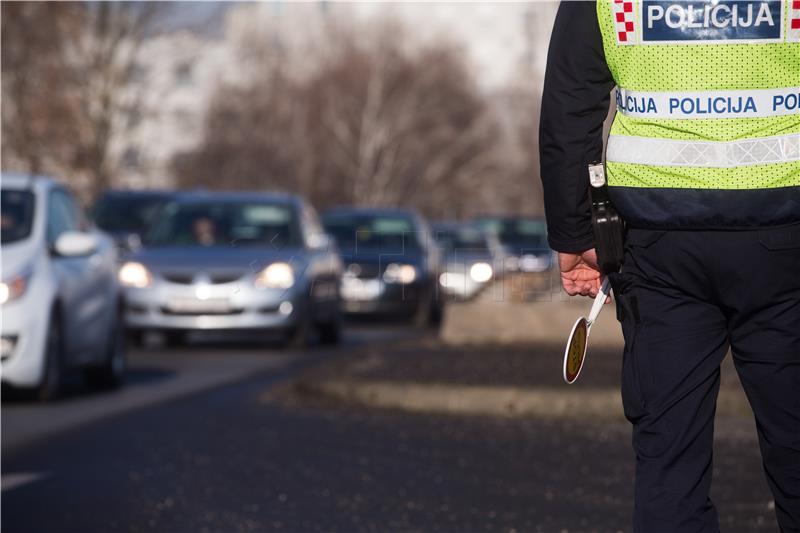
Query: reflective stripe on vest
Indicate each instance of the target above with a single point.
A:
(679, 153)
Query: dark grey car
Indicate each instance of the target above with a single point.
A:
(392, 263)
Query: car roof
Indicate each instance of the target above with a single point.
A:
(237, 196)
(137, 193)
(18, 180)
(509, 217)
(375, 211)
(449, 225)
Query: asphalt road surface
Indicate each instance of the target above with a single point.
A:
(192, 445)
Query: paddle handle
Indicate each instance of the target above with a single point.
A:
(599, 301)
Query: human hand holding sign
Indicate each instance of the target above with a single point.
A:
(580, 274)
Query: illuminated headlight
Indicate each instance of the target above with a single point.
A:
(134, 275)
(13, 289)
(275, 276)
(481, 272)
(398, 273)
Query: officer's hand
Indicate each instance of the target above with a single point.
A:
(580, 273)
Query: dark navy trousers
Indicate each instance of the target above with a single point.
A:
(683, 299)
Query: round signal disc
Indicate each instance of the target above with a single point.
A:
(575, 352)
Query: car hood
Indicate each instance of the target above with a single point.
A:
(372, 263)
(213, 259)
(522, 249)
(467, 258)
(17, 257)
(370, 257)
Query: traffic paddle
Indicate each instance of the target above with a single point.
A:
(575, 352)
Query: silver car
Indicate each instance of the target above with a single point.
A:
(234, 261)
(473, 259)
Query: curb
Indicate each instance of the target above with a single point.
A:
(543, 402)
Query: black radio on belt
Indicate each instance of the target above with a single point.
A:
(609, 228)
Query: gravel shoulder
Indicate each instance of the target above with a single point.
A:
(427, 375)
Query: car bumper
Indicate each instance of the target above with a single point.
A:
(154, 308)
(24, 335)
(458, 285)
(380, 298)
(529, 262)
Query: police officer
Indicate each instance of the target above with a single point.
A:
(703, 163)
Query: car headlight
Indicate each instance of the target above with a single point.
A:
(12, 289)
(135, 275)
(399, 273)
(481, 272)
(275, 276)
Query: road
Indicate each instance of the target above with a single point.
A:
(193, 444)
(158, 374)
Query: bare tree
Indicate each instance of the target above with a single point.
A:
(65, 67)
(373, 124)
(41, 109)
(105, 58)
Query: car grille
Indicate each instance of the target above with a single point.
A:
(363, 270)
(173, 312)
(187, 278)
(225, 278)
(184, 279)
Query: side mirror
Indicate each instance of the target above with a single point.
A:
(76, 244)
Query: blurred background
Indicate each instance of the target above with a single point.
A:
(428, 106)
(282, 266)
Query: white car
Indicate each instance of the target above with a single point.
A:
(59, 295)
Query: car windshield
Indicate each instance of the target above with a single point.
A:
(462, 240)
(524, 232)
(16, 215)
(126, 214)
(225, 224)
(355, 232)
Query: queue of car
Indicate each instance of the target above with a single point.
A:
(76, 291)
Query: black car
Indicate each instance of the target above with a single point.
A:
(524, 240)
(126, 214)
(391, 263)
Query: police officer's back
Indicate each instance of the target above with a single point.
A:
(703, 163)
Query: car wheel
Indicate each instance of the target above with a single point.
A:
(330, 333)
(110, 373)
(437, 313)
(135, 338)
(52, 384)
(298, 337)
(429, 312)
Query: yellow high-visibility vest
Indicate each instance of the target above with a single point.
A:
(707, 130)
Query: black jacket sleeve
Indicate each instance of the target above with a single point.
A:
(574, 104)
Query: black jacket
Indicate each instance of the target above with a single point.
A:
(575, 103)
